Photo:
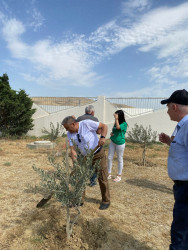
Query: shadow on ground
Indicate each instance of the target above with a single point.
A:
(92, 200)
(100, 234)
(149, 184)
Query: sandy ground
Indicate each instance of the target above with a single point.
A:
(139, 217)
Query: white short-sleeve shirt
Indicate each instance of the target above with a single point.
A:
(86, 138)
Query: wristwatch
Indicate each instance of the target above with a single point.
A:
(102, 136)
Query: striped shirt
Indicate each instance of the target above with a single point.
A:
(86, 138)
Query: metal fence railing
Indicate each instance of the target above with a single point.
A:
(134, 106)
(55, 104)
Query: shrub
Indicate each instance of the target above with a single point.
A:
(67, 184)
(144, 136)
(54, 131)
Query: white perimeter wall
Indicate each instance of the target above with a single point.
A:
(159, 120)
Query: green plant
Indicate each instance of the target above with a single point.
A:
(130, 146)
(37, 240)
(144, 136)
(54, 131)
(15, 110)
(7, 164)
(67, 184)
(153, 156)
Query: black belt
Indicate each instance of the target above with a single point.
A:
(181, 182)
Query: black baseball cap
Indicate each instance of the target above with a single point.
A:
(178, 97)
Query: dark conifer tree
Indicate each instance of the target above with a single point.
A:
(15, 110)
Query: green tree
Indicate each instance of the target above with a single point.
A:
(15, 110)
(144, 136)
(54, 131)
(67, 183)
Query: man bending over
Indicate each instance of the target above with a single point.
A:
(84, 134)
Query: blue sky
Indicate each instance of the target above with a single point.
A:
(136, 48)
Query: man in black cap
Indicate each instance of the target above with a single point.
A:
(177, 105)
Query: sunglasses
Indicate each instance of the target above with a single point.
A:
(78, 137)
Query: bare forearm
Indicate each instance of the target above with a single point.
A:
(117, 123)
(73, 154)
(103, 131)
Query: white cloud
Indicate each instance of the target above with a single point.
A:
(164, 89)
(12, 29)
(64, 62)
(2, 17)
(168, 78)
(11, 32)
(132, 6)
(163, 30)
(158, 73)
(37, 19)
(181, 70)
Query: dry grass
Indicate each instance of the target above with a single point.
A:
(62, 101)
(139, 216)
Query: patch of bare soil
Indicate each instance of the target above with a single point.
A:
(62, 101)
(139, 216)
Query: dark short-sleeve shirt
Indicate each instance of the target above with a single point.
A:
(87, 116)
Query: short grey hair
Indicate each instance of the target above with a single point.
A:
(183, 109)
(89, 109)
(68, 120)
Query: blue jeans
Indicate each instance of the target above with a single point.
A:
(179, 227)
(93, 180)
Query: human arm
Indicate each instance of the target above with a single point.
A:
(117, 121)
(164, 138)
(73, 153)
(111, 134)
(98, 131)
(103, 132)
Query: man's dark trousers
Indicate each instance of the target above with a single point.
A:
(179, 228)
(103, 176)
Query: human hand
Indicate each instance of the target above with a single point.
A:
(111, 134)
(101, 141)
(164, 138)
(115, 116)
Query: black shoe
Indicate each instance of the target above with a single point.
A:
(81, 204)
(104, 206)
(42, 202)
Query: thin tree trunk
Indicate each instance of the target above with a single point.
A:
(68, 227)
(144, 155)
(70, 223)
